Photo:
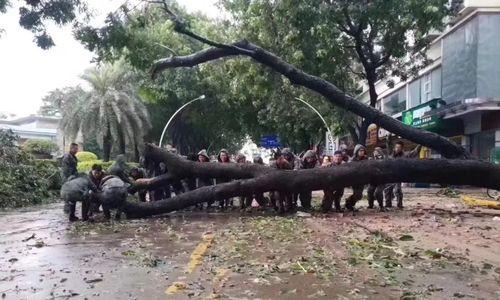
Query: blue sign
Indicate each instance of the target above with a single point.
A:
(270, 141)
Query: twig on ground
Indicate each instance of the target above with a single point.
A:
(442, 211)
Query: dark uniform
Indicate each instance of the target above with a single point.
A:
(69, 171)
(357, 191)
(223, 202)
(284, 199)
(246, 200)
(332, 196)
(309, 161)
(259, 197)
(119, 168)
(113, 195)
(77, 189)
(376, 192)
(138, 173)
(69, 163)
(394, 189)
(204, 181)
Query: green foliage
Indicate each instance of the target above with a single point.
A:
(384, 33)
(86, 166)
(23, 181)
(242, 98)
(245, 98)
(40, 147)
(111, 111)
(60, 101)
(86, 156)
(34, 14)
(141, 39)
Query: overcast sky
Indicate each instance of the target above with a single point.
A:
(27, 72)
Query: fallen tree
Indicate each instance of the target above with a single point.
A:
(250, 179)
(259, 179)
(296, 76)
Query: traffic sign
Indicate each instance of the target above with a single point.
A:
(270, 141)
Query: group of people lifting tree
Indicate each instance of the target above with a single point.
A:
(109, 189)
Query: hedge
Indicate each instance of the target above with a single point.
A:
(86, 166)
(40, 147)
(85, 156)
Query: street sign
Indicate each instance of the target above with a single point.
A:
(270, 141)
(329, 144)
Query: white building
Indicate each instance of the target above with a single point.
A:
(458, 94)
(34, 127)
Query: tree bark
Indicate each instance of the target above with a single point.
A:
(446, 147)
(121, 140)
(363, 131)
(106, 145)
(253, 178)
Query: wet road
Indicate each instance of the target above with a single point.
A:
(234, 255)
(126, 260)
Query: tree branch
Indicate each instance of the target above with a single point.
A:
(317, 84)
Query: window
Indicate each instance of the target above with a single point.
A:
(426, 88)
(482, 143)
(395, 102)
(414, 93)
(436, 84)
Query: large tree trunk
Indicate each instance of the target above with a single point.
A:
(363, 132)
(251, 178)
(337, 97)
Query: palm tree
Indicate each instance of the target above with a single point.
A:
(111, 110)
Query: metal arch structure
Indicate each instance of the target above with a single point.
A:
(317, 112)
(203, 97)
(173, 116)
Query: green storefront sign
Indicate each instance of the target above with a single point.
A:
(417, 117)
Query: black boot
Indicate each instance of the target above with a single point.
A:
(370, 203)
(72, 209)
(381, 205)
(85, 210)
(336, 203)
(400, 203)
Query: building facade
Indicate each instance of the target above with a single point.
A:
(35, 127)
(458, 94)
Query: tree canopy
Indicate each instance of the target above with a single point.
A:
(110, 111)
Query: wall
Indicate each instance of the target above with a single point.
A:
(488, 57)
(459, 63)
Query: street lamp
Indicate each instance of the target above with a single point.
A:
(173, 116)
(317, 112)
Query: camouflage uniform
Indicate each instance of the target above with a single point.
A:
(113, 195)
(306, 196)
(140, 173)
(394, 189)
(357, 191)
(376, 192)
(259, 197)
(77, 189)
(69, 163)
(205, 181)
(332, 196)
(284, 199)
(119, 168)
(223, 202)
